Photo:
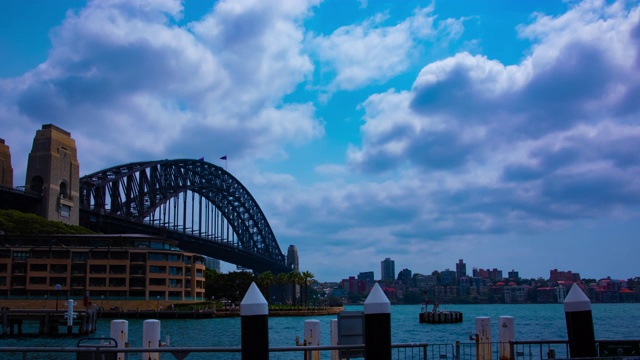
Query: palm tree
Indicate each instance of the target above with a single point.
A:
(265, 280)
(282, 279)
(307, 276)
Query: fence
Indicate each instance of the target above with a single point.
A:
(521, 350)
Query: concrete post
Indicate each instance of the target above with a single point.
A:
(312, 337)
(377, 325)
(506, 334)
(254, 325)
(119, 330)
(70, 304)
(335, 354)
(483, 338)
(151, 338)
(577, 311)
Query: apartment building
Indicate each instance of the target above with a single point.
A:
(114, 267)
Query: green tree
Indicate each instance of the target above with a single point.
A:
(307, 277)
(264, 281)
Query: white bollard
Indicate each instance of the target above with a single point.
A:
(70, 313)
(151, 338)
(335, 354)
(483, 338)
(312, 337)
(506, 334)
(119, 330)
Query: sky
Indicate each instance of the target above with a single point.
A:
(505, 133)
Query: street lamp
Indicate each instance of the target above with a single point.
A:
(101, 302)
(57, 287)
(158, 303)
(45, 301)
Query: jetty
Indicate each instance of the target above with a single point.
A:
(42, 322)
(436, 316)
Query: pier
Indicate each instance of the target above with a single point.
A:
(16, 322)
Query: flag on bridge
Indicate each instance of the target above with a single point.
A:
(224, 157)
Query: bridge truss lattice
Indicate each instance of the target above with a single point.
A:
(199, 204)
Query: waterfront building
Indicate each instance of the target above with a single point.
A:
(545, 295)
(516, 293)
(113, 267)
(387, 270)
(461, 269)
(353, 285)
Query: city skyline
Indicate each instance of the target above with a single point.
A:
(502, 133)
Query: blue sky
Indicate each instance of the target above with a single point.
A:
(505, 133)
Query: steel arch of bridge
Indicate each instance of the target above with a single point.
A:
(129, 196)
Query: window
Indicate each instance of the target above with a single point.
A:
(175, 283)
(79, 256)
(98, 269)
(158, 269)
(157, 282)
(37, 280)
(58, 268)
(65, 211)
(157, 257)
(20, 255)
(38, 267)
(175, 271)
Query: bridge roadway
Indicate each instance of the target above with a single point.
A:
(187, 242)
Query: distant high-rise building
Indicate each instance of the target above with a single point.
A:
(6, 171)
(514, 275)
(292, 258)
(567, 276)
(448, 277)
(404, 276)
(461, 269)
(366, 276)
(387, 270)
(212, 263)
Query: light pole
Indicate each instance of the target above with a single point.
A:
(101, 302)
(57, 287)
(45, 301)
(158, 303)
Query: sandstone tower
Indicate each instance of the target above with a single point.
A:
(6, 171)
(54, 172)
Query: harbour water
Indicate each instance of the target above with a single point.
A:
(532, 322)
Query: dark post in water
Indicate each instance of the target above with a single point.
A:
(377, 325)
(254, 325)
(577, 311)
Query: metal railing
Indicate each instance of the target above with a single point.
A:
(414, 351)
(517, 350)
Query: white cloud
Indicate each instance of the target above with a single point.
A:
(373, 53)
(152, 89)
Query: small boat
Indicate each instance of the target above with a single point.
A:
(436, 316)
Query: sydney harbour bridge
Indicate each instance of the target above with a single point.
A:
(200, 205)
